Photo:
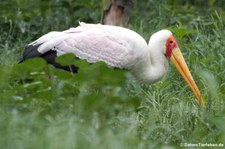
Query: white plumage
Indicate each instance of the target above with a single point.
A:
(116, 46)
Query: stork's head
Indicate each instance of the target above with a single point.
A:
(168, 45)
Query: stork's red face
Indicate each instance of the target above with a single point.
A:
(171, 44)
(174, 54)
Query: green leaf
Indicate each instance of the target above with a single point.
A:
(66, 59)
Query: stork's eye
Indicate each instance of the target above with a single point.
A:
(171, 41)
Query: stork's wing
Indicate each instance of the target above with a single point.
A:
(110, 44)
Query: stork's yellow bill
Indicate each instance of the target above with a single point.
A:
(174, 53)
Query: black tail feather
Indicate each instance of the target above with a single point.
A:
(50, 56)
(30, 52)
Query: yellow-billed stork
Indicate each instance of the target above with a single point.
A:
(116, 46)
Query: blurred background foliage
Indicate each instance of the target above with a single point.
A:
(42, 107)
(24, 17)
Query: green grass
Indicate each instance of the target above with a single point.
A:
(41, 107)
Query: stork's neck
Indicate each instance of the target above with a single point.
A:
(153, 67)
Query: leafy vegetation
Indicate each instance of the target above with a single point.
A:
(42, 107)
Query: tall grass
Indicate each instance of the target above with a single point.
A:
(41, 107)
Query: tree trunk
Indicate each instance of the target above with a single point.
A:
(117, 13)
